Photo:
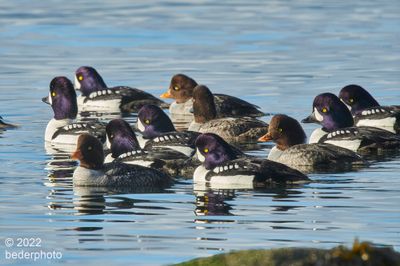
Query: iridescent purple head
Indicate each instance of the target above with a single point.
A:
(212, 150)
(120, 137)
(152, 121)
(62, 98)
(357, 98)
(203, 104)
(330, 112)
(87, 80)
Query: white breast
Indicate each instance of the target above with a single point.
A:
(53, 126)
(181, 108)
(384, 123)
(86, 177)
(317, 135)
(275, 154)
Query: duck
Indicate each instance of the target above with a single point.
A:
(124, 146)
(96, 96)
(338, 128)
(63, 128)
(4, 125)
(367, 111)
(223, 165)
(232, 129)
(158, 132)
(291, 150)
(181, 89)
(93, 172)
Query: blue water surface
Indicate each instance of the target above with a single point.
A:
(276, 54)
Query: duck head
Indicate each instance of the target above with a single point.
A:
(357, 98)
(180, 88)
(62, 98)
(152, 121)
(285, 131)
(87, 80)
(89, 152)
(203, 104)
(212, 150)
(329, 112)
(120, 137)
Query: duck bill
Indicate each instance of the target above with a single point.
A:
(267, 137)
(77, 155)
(166, 95)
(46, 100)
(310, 119)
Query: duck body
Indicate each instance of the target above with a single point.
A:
(94, 172)
(181, 89)
(125, 148)
(222, 165)
(338, 128)
(367, 111)
(232, 129)
(62, 128)
(96, 96)
(291, 150)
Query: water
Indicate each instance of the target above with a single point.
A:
(278, 54)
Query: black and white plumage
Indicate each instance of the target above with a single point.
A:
(290, 148)
(63, 129)
(222, 165)
(181, 89)
(159, 132)
(338, 127)
(96, 96)
(125, 148)
(367, 111)
(239, 129)
(93, 172)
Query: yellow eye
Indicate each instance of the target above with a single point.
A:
(205, 150)
(176, 88)
(324, 110)
(147, 121)
(53, 94)
(351, 100)
(80, 77)
(280, 129)
(89, 148)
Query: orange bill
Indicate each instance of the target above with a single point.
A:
(166, 95)
(265, 138)
(77, 155)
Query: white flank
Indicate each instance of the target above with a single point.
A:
(347, 144)
(385, 123)
(139, 162)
